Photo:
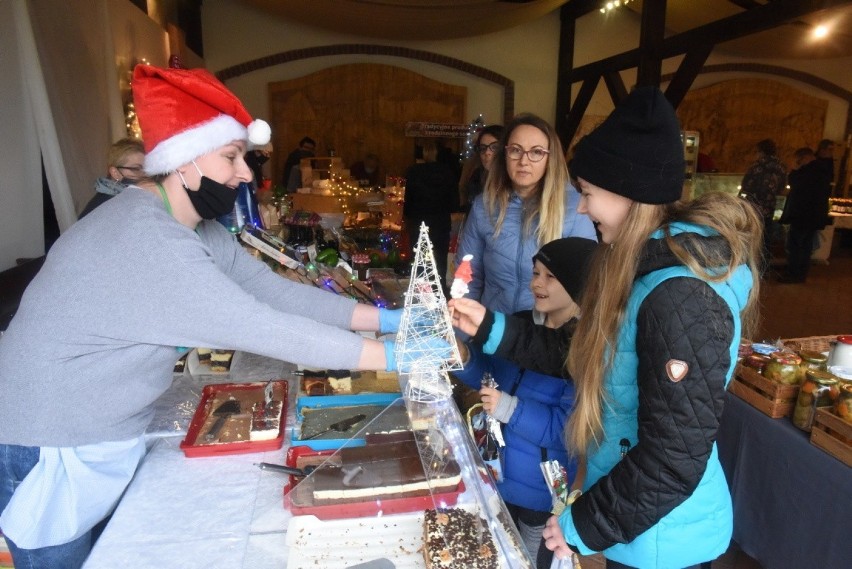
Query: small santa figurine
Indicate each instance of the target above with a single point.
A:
(461, 278)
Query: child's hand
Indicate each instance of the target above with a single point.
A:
(554, 540)
(467, 314)
(490, 399)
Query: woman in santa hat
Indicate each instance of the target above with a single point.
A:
(98, 330)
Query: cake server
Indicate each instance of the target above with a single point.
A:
(340, 426)
(284, 469)
(222, 412)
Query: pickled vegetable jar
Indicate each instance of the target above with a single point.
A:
(784, 367)
(818, 390)
(843, 405)
(812, 360)
(756, 362)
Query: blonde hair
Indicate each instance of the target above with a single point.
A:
(547, 204)
(123, 148)
(611, 278)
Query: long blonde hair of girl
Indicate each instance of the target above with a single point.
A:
(610, 282)
(547, 204)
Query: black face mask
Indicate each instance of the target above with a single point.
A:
(127, 182)
(212, 199)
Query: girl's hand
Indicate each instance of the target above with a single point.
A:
(467, 314)
(490, 398)
(554, 540)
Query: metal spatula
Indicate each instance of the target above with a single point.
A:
(225, 410)
(340, 426)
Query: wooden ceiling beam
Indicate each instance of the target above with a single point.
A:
(651, 35)
(578, 109)
(686, 73)
(764, 17)
(616, 87)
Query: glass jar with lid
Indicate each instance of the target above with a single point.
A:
(756, 362)
(843, 405)
(819, 389)
(784, 367)
(812, 360)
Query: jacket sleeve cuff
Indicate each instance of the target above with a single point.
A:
(505, 407)
(484, 329)
(496, 335)
(572, 538)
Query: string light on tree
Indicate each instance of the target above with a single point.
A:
(472, 130)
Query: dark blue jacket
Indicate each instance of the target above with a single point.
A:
(534, 433)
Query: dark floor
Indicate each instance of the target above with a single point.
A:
(820, 307)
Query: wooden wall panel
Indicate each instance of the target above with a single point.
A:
(732, 116)
(359, 108)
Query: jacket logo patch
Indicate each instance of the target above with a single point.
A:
(676, 369)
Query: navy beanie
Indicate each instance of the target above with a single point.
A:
(568, 259)
(636, 152)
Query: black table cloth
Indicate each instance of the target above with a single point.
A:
(792, 500)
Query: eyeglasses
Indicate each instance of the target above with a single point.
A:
(134, 169)
(493, 148)
(535, 154)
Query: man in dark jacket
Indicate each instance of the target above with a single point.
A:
(431, 195)
(806, 211)
(764, 180)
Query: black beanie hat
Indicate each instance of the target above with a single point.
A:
(568, 259)
(636, 152)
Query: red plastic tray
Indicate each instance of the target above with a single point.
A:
(193, 448)
(371, 508)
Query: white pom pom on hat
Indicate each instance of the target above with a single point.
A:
(186, 113)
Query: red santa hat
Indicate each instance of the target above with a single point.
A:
(187, 113)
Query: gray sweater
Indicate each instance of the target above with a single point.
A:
(92, 345)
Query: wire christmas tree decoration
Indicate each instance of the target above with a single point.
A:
(426, 329)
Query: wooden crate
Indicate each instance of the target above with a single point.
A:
(833, 435)
(768, 397)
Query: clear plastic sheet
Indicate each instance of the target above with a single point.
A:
(366, 500)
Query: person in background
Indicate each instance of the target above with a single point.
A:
(806, 211)
(255, 159)
(367, 172)
(431, 195)
(486, 147)
(292, 172)
(533, 407)
(705, 164)
(825, 157)
(98, 330)
(667, 302)
(124, 167)
(762, 183)
(527, 202)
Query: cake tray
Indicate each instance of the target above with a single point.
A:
(326, 401)
(299, 456)
(193, 447)
(313, 543)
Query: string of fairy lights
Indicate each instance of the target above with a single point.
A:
(613, 4)
(131, 121)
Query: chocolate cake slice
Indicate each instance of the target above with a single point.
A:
(455, 539)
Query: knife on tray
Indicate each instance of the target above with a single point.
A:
(340, 426)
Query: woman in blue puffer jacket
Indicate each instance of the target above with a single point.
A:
(527, 202)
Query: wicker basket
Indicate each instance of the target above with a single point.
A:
(812, 343)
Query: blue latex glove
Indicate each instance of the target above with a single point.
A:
(389, 320)
(434, 348)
